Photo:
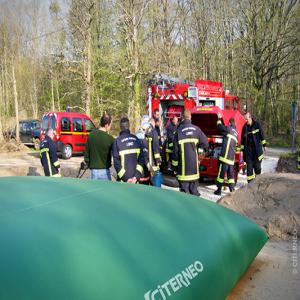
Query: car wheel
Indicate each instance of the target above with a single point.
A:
(36, 143)
(67, 151)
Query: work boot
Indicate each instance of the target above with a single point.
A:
(218, 192)
(231, 189)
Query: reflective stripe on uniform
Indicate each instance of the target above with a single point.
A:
(44, 150)
(169, 150)
(56, 163)
(260, 157)
(157, 155)
(219, 179)
(187, 177)
(170, 145)
(255, 131)
(182, 160)
(56, 175)
(150, 151)
(263, 142)
(242, 147)
(230, 181)
(183, 176)
(139, 168)
(130, 151)
(121, 173)
(155, 168)
(49, 163)
(122, 154)
(184, 141)
(175, 163)
(226, 161)
(232, 137)
(250, 177)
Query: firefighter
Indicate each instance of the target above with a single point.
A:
(128, 155)
(253, 142)
(48, 154)
(141, 135)
(157, 119)
(185, 154)
(154, 157)
(226, 158)
(171, 130)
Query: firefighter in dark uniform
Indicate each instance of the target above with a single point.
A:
(185, 154)
(48, 154)
(154, 158)
(128, 155)
(226, 158)
(157, 125)
(171, 131)
(253, 142)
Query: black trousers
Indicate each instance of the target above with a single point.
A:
(253, 164)
(189, 187)
(223, 169)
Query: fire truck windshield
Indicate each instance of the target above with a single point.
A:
(207, 103)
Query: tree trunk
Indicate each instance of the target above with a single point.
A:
(57, 94)
(1, 111)
(52, 96)
(88, 80)
(15, 92)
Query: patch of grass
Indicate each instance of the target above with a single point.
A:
(288, 155)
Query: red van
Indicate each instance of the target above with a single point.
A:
(70, 128)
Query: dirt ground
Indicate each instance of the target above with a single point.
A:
(273, 202)
(288, 164)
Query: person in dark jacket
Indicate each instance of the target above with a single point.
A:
(171, 130)
(48, 154)
(252, 144)
(128, 155)
(154, 158)
(97, 154)
(226, 158)
(185, 154)
(157, 120)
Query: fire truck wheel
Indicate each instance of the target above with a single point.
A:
(67, 151)
(170, 181)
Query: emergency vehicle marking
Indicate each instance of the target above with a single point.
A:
(204, 108)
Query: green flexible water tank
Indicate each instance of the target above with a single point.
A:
(75, 239)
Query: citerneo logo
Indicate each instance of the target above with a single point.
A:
(180, 280)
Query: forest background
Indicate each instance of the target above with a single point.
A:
(97, 55)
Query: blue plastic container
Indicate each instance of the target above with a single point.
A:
(157, 179)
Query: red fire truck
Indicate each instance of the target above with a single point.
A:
(206, 99)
